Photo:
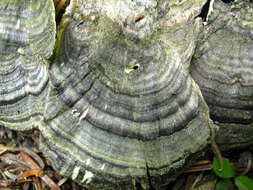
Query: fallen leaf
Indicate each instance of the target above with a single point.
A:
(32, 172)
(35, 157)
(50, 182)
(28, 160)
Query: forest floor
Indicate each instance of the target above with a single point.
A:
(23, 167)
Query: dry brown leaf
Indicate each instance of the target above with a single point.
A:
(32, 172)
(50, 182)
(28, 160)
(35, 157)
(10, 175)
(13, 159)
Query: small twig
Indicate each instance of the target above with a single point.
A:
(217, 153)
(201, 165)
(24, 180)
(201, 162)
(199, 168)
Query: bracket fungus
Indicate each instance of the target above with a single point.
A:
(105, 127)
(223, 69)
(27, 35)
(116, 103)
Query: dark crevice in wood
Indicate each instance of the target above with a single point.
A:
(221, 119)
(204, 12)
(60, 9)
(149, 178)
(227, 1)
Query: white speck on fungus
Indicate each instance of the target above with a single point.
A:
(87, 177)
(75, 172)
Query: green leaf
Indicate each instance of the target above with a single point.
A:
(224, 184)
(244, 183)
(228, 170)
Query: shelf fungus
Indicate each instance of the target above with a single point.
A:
(223, 68)
(27, 31)
(116, 91)
(108, 127)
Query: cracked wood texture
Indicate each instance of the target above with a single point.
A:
(27, 35)
(107, 128)
(223, 68)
